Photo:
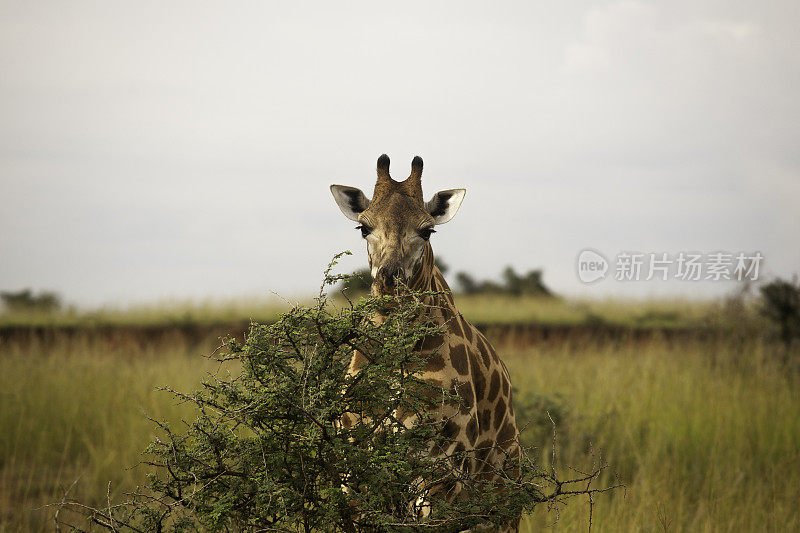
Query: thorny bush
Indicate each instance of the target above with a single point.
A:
(267, 450)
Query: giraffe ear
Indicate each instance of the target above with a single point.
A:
(350, 200)
(444, 204)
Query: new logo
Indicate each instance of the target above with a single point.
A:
(592, 266)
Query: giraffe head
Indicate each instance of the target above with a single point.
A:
(396, 222)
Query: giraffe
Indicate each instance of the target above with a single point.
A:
(397, 226)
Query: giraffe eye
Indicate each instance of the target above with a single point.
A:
(365, 230)
(425, 233)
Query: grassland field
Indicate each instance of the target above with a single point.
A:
(704, 433)
(486, 309)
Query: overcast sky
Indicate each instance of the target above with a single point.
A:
(184, 149)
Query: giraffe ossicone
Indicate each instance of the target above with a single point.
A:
(398, 224)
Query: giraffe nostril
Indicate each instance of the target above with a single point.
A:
(388, 275)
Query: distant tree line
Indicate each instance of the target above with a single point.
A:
(511, 283)
(26, 300)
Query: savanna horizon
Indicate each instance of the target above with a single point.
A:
(481, 308)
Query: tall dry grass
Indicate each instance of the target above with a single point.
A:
(706, 435)
(74, 410)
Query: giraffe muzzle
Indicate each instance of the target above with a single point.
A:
(388, 278)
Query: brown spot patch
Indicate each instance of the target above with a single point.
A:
(485, 444)
(458, 358)
(494, 386)
(485, 419)
(432, 394)
(431, 343)
(467, 329)
(499, 413)
(506, 386)
(436, 450)
(484, 351)
(465, 392)
(493, 353)
(455, 328)
(482, 450)
(450, 430)
(458, 456)
(478, 378)
(507, 434)
(434, 363)
(447, 314)
(472, 430)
